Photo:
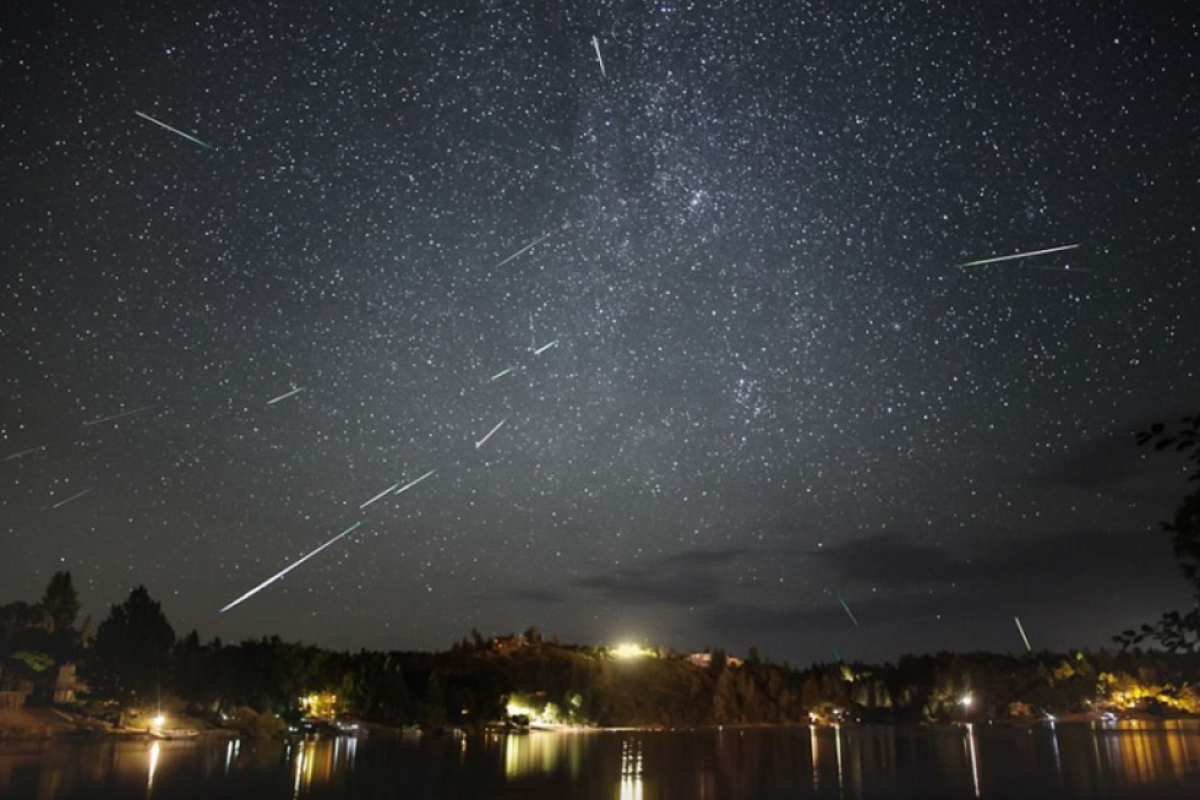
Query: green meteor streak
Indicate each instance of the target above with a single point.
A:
(189, 137)
(848, 611)
(1029, 254)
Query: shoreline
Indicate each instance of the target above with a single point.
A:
(52, 724)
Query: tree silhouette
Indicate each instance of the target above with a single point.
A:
(133, 645)
(61, 602)
(1177, 631)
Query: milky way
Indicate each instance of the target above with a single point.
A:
(771, 386)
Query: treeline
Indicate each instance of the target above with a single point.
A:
(134, 656)
(973, 686)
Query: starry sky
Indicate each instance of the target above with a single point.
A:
(771, 383)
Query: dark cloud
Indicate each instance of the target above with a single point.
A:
(890, 560)
(824, 618)
(893, 561)
(641, 588)
(1109, 461)
(1073, 586)
(689, 559)
(1081, 558)
(688, 578)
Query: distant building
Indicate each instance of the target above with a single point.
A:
(19, 687)
(14, 691)
(65, 685)
(506, 644)
(704, 660)
(321, 705)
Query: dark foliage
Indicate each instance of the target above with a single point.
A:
(1177, 631)
(133, 646)
(61, 602)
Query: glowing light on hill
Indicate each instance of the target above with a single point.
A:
(631, 650)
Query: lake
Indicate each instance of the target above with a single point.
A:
(1128, 759)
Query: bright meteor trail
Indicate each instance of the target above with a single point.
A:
(76, 496)
(24, 453)
(481, 442)
(285, 396)
(289, 568)
(501, 374)
(544, 348)
(175, 130)
(117, 416)
(848, 611)
(384, 493)
(1029, 254)
(413, 483)
(1024, 638)
(596, 44)
(526, 248)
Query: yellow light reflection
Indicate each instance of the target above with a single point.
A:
(154, 752)
(631, 770)
(837, 743)
(1058, 770)
(513, 760)
(816, 756)
(305, 762)
(974, 756)
(538, 752)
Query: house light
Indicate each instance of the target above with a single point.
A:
(631, 650)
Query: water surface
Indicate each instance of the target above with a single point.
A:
(1132, 759)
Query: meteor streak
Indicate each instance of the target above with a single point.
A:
(381, 494)
(1029, 254)
(596, 44)
(285, 396)
(1024, 638)
(24, 453)
(526, 248)
(62, 503)
(501, 374)
(481, 442)
(544, 348)
(118, 416)
(189, 137)
(849, 613)
(289, 568)
(411, 484)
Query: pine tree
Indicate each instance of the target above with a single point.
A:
(133, 645)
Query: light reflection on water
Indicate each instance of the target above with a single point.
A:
(631, 770)
(815, 746)
(1131, 759)
(536, 752)
(155, 750)
(973, 752)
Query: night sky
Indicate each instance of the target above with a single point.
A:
(772, 384)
